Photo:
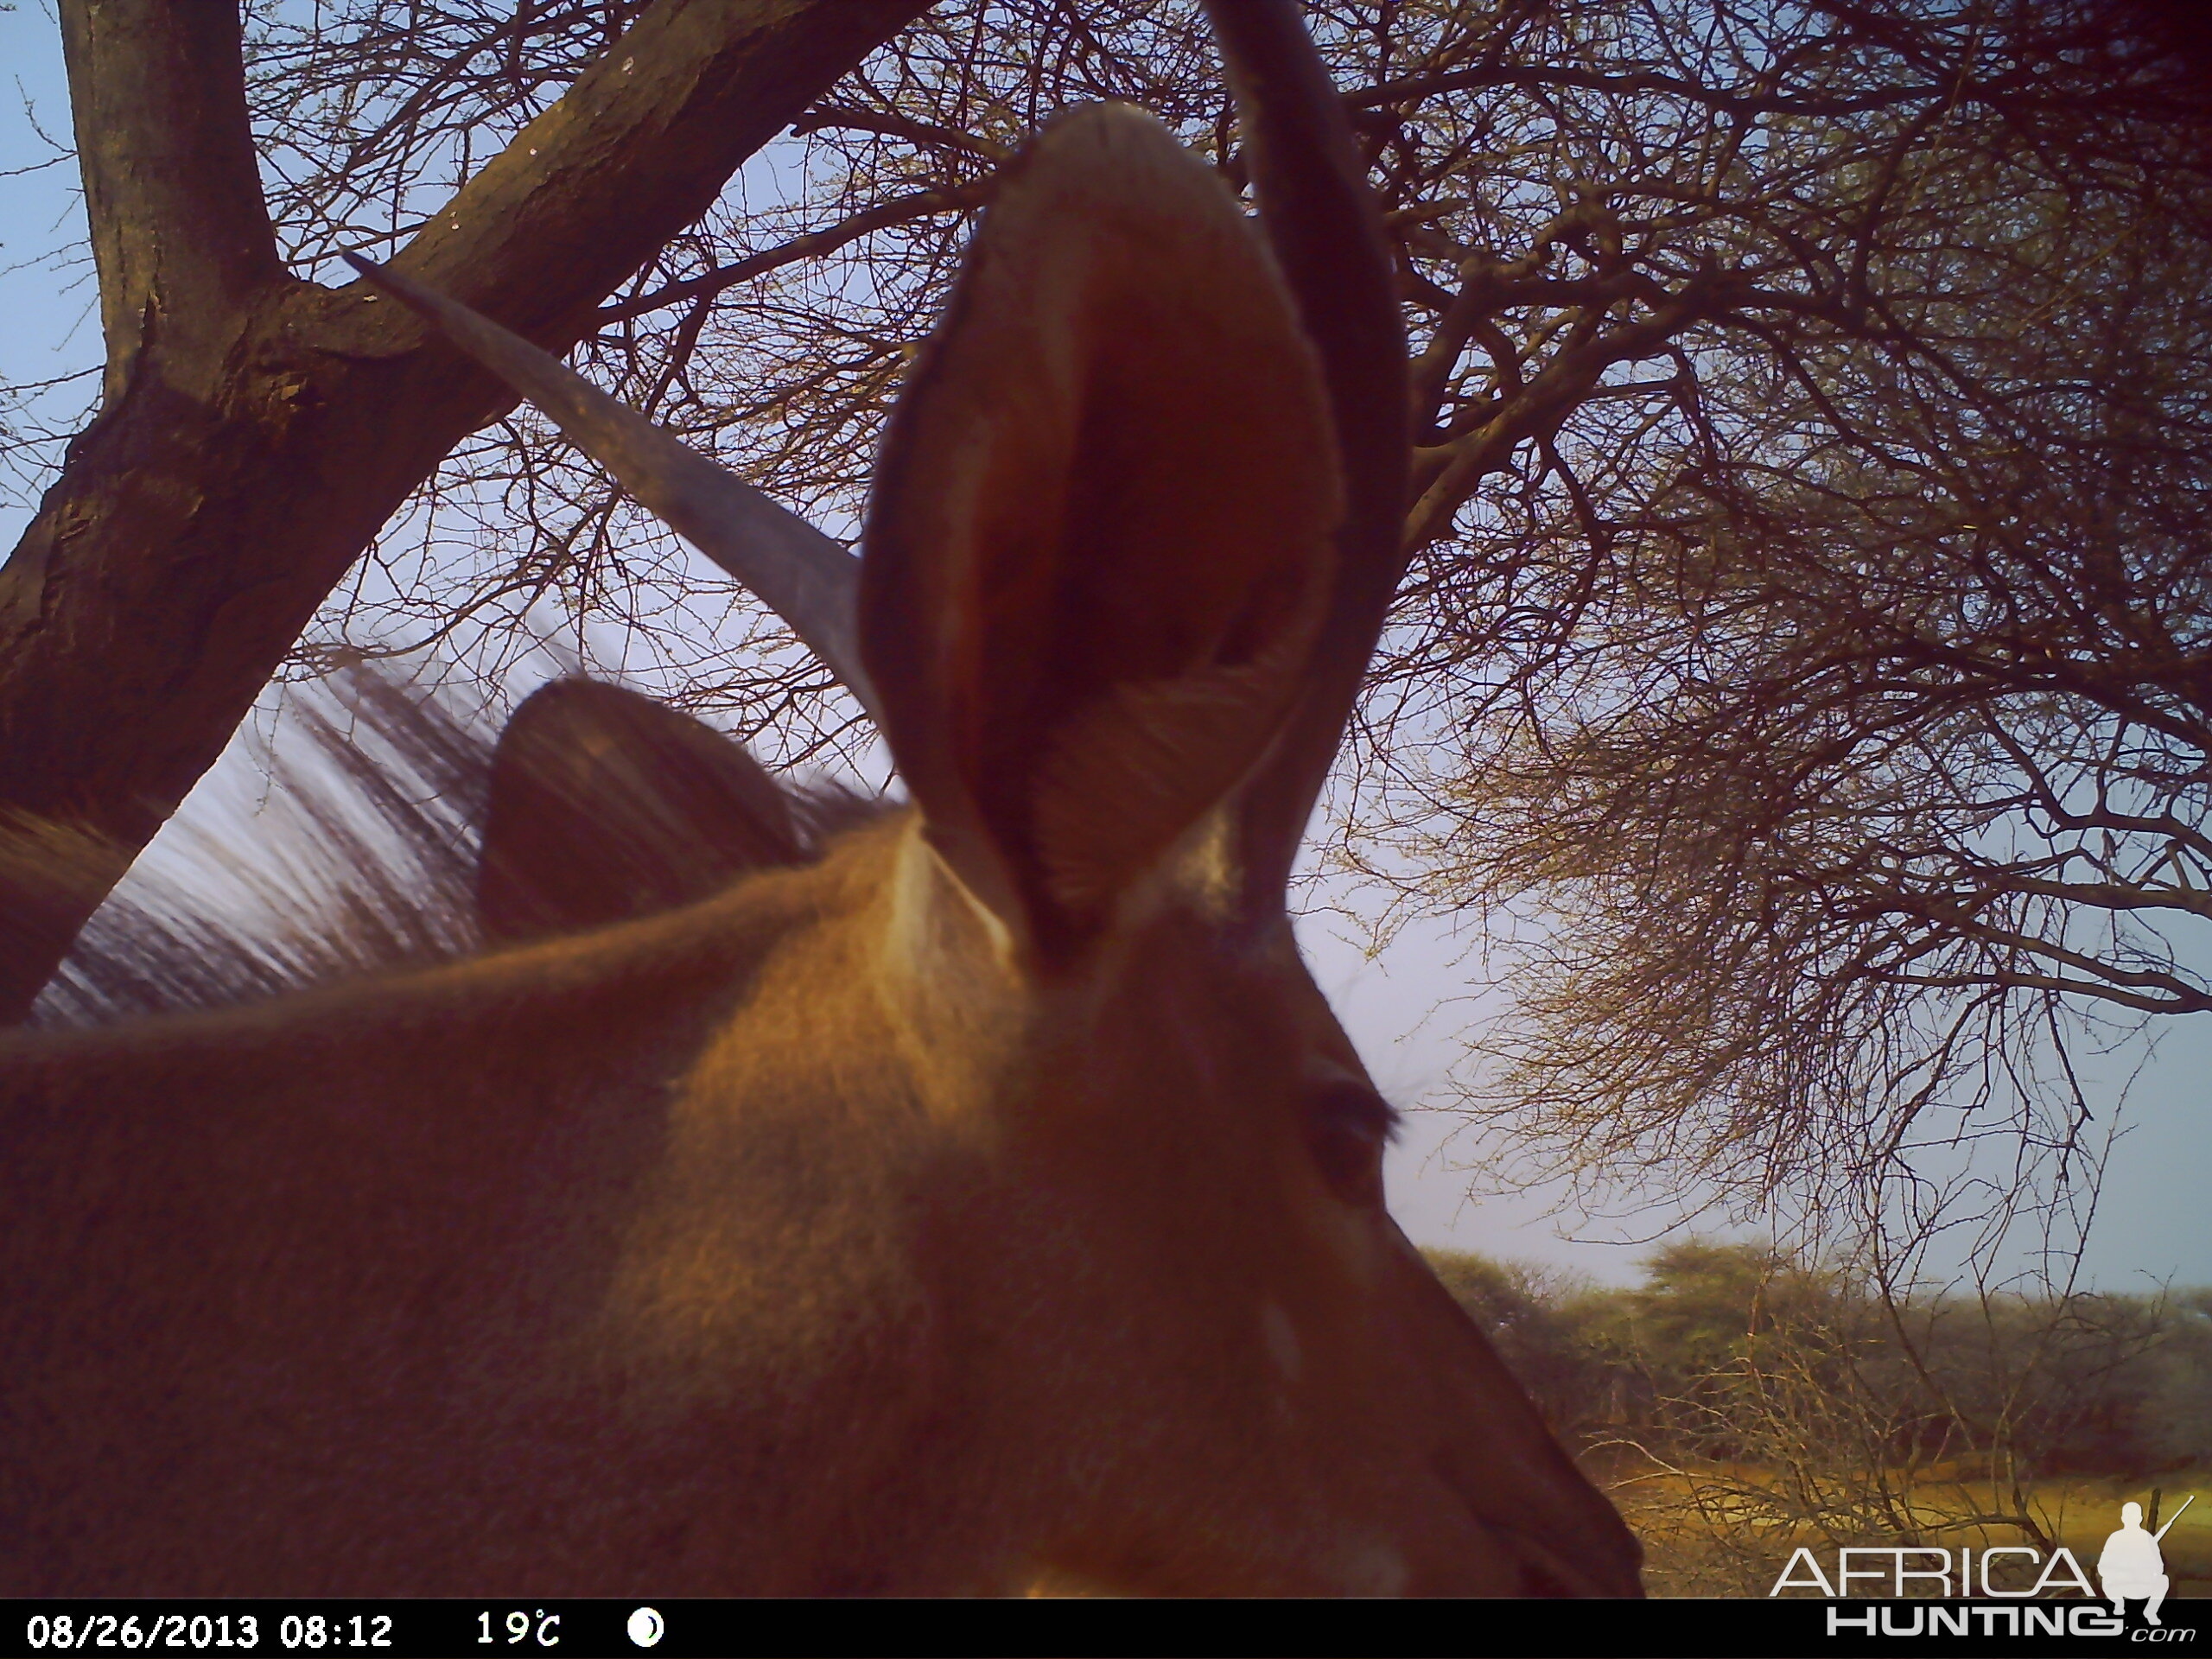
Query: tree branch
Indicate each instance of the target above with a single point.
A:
(179, 232)
(813, 246)
(242, 464)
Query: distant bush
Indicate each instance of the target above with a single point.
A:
(1743, 1396)
(1689, 1359)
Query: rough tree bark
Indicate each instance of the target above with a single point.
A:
(256, 430)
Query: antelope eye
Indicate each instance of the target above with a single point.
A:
(1348, 1125)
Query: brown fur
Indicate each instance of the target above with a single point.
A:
(843, 1310)
(994, 1199)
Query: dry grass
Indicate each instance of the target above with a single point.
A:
(1704, 1536)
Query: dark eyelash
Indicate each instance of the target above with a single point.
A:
(1356, 1107)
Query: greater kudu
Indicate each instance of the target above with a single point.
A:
(991, 1199)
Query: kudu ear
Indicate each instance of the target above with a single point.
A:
(605, 805)
(1102, 527)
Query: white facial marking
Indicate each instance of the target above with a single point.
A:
(922, 880)
(1209, 861)
(1281, 1338)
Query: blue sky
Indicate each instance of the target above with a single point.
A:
(1405, 1009)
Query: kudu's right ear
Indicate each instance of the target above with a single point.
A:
(1100, 538)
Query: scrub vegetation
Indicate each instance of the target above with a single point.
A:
(1739, 1402)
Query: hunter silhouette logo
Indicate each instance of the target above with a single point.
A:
(2133, 1567)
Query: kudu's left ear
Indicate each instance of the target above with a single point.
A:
(605, 805)
(1100, 539)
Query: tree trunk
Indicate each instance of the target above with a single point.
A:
(255, 431)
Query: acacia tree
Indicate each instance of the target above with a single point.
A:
(257, 429)
(1802, 624)
(1849, 755)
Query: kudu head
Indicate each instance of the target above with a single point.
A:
(1042, 1103)
(1105, 545)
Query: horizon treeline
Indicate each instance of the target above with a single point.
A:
(1743, 1354)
